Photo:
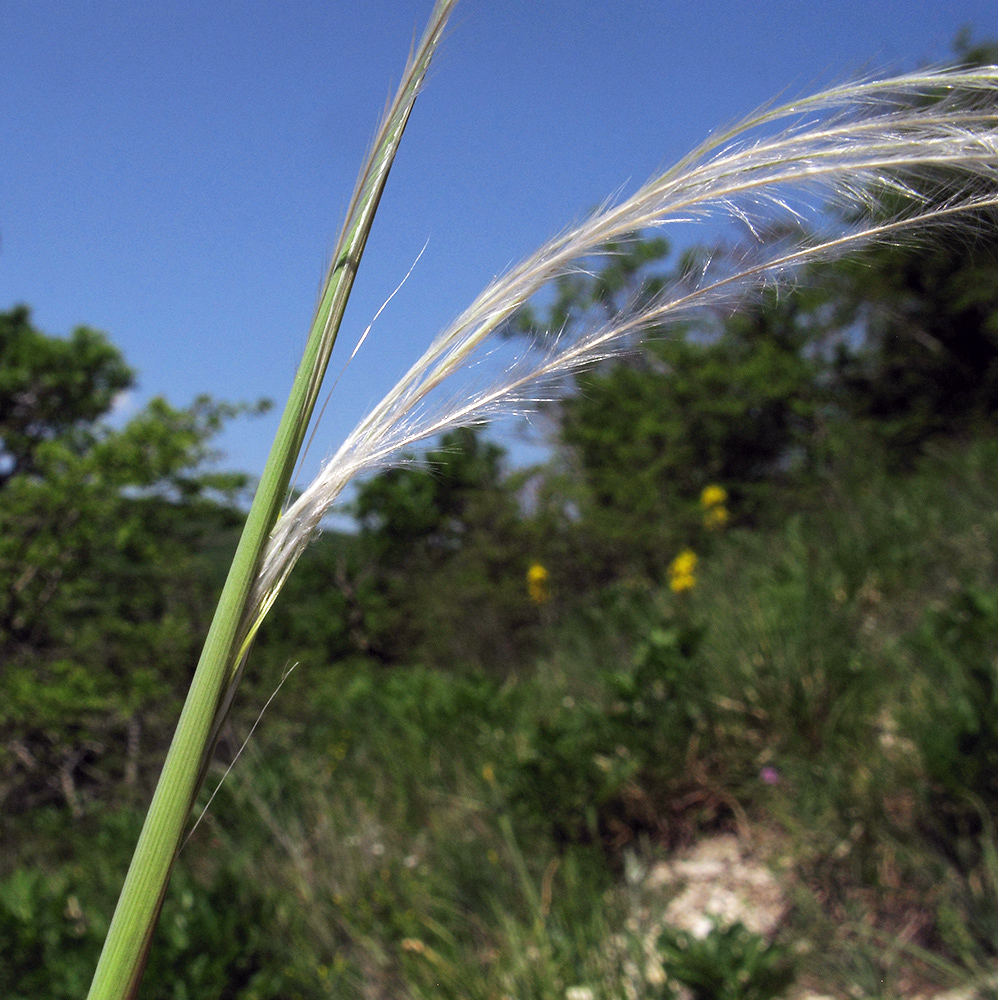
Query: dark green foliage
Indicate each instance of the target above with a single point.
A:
(320, 616)
(431, 506)
(662, 688)
(926, 366)
(606, 765)
(728, 410)
(571, 768)
(564, 764)
(48, 947)
(110, 545)
(967, 921)
(803, 669)
(215, 937)
(51, 388)
(956, 651)
(650, 436)
(446, 554)
(730, 963)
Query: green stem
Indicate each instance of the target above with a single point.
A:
(122, 960)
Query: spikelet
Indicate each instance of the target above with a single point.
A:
(833, 157)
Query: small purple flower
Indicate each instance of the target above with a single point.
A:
(770, 775)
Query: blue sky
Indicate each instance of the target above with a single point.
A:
(175, 174)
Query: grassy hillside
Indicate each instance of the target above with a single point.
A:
(826, 689)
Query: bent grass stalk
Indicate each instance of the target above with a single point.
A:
(847, 146)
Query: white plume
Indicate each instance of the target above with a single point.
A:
(835, 156)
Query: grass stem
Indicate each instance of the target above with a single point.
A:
(122, 960)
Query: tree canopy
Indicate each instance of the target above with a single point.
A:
(52, 388)
(109, 540)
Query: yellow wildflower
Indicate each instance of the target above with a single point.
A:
(537, 584)
(715, 514)
(682, 571)
(715, 518)
(713, 496)
(489, 774)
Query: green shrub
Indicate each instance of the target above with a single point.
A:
(217, 936)
(585, 757)
(572, 766)
(730, 963)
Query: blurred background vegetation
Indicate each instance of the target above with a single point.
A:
(754, 589)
